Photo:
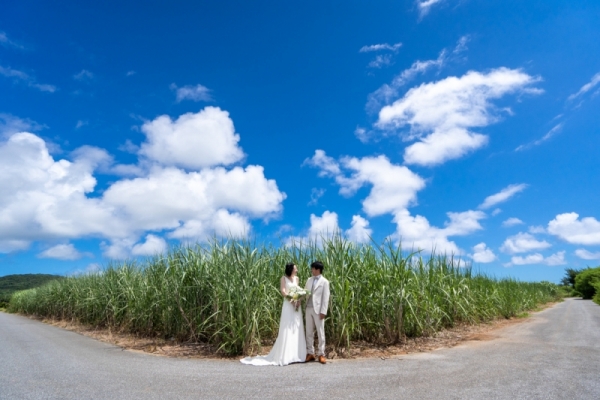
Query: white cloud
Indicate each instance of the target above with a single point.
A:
(537, 258)
(482, 254)
(552, 132)
(394, 187)
(416, 233)
(323, 227)
(522, 243)
(194, 93)
(381, 47)
(570, 228)
(503, 195)
(587, 255)
(47, 199)
(8, 245)
(556, 259)
(327, 165)
(388, 92)
(424, 6)
(169, 195)
(360, 231)
(199, 140)
(62, 252)
(92, 268)
(380, 61)
(81, 124)
(83, 75)
(496, 212)
(20, 76)
(326, 225)
(10, 124)
(315, 195)
(152, 246)
(537, 229)
(5, 41)
(512, 222)
(587, 87)
(441, 114)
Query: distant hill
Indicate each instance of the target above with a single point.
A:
(13, 283)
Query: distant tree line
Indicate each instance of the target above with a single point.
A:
(583, 282)
(10, 284)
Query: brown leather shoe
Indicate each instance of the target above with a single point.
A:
(322, 360)
(310, 357)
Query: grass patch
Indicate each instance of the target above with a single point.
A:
(226, 294)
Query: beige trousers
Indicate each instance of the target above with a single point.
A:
(313, 321)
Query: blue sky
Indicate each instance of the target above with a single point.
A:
(465, 126)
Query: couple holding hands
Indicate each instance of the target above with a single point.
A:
(293, 343)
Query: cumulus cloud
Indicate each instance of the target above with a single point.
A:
(522, 243)
(190, 92)
(194, 140)
(20, 76)
(325, 226)
(153, 245)
(62, 252)
(416, 232)
(587, 255)
(502, 196)
(570, 228)
(48, 199)
(537, 258)
(482, 254)
(511, 222)
(393, 189)
(441, 114)
(360, 231)
(587, 87)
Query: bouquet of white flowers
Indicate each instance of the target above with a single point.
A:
(297, 293)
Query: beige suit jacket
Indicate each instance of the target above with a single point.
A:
(319, 295)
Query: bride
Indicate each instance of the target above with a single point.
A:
(290, 346)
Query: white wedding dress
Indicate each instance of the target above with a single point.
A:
(290, 346)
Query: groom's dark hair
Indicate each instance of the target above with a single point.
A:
(317, 265)
(289, 268)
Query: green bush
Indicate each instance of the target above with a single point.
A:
(586, 282)
(596, 297)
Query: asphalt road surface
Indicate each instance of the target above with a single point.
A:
(553, 355)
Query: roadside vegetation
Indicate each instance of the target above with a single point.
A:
(10, 284)
(226, 294)
(583, 283)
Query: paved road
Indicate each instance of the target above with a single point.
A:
(553, 355)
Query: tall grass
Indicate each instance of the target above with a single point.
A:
(226, 293)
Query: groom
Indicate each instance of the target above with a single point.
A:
(316, 310)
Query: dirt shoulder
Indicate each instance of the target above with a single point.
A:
(169, 348)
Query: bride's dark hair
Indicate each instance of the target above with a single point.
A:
(289, 268)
